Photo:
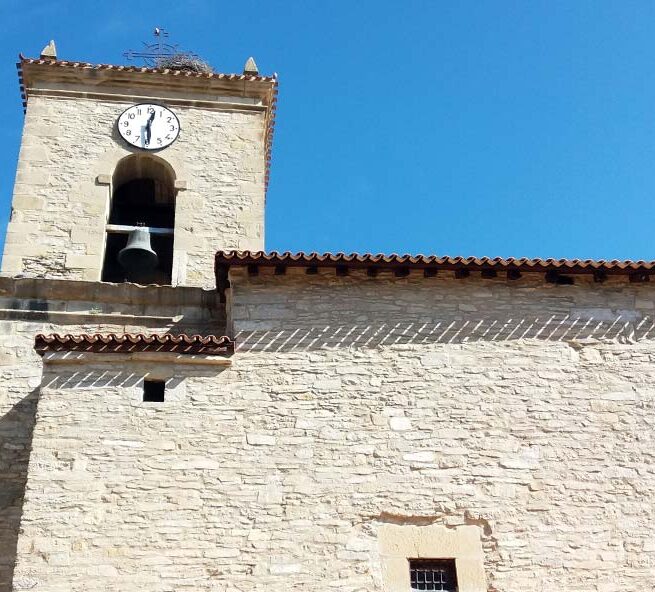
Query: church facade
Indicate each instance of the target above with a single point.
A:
(180, 410)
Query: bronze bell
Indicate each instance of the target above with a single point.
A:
(137, 257)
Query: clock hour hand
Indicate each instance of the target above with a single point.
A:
(148, 125)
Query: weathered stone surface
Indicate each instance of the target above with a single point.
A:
(62, 187)
(371, 402)
(30, 306)
(363, 420)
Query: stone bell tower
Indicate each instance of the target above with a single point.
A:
(83, 185)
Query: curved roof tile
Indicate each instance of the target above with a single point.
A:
(137, 342)
(367, 260)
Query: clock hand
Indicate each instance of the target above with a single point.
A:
(148, 125)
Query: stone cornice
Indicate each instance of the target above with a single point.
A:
(64, 290)
(84, 358)
(127, 79)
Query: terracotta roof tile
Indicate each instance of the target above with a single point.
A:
(131, 343)
(123, 68)
(369, 260)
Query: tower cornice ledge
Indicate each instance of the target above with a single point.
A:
(64, 78)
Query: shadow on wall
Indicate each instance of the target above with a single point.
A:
(97, 378)
(16, 429)
(553, 328)
(102, 379)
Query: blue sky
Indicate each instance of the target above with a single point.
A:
(499, 128)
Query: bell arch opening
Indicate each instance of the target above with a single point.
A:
(143, 197)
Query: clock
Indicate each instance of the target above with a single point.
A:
(148, 126)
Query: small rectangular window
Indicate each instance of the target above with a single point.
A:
(153, 390)
(433, 574)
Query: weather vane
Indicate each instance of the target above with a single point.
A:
(153, 53)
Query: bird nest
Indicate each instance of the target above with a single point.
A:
(185, 62)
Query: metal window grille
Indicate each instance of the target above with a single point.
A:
(433, 574)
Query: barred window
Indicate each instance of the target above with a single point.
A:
(433, 574)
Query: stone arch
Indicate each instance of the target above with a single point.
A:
(142, 194)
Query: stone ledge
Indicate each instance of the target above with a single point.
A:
(80, 290)
(204, 101)
(18, 314)
(82, 358)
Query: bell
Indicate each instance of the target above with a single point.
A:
(138, 258)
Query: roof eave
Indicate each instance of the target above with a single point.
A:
(128, 343)
(600, 269)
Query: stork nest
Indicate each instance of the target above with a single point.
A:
(184, 62)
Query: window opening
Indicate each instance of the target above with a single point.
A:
(143, 197)
(433, 574)
(153, 391)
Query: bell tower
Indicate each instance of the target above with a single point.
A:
(108, 149)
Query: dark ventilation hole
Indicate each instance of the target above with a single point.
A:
(153, 391)
(433, 574)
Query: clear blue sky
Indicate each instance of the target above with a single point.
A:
(492, 128)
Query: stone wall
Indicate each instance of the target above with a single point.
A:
(59, 208)
(521, 409)
(20, 377)
(28, 307)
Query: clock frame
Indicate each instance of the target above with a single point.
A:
(148, 126)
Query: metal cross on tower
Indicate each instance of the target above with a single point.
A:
(153, 53)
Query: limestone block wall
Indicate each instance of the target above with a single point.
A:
(524, 407)
(60, 206)
(356, 406)
(20, 377)
(28, 307)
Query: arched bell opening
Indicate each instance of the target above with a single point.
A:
(143, 197)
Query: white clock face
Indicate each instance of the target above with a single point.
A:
(149, 126)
